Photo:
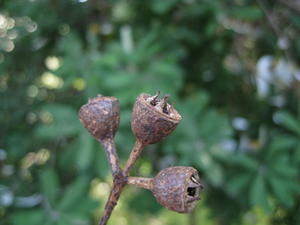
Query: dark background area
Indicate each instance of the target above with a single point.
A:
(231, 67)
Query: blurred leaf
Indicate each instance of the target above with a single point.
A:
(281, 190)
(284, 169)
(86, 207)
(101, 165)
(194, 104)
(215, 174)
(219, 127)
(289, 121)
(258, 193)
(296, 156)
(74, 194)
(71, 219)
(238, 182)
(28, 217)
(50, 185)
(65, 122)
(68, 158)
(242, 160)
(280, 145)
(143, 202)
(119, 81)
(251, 13)
(163, 6)
(85, 150)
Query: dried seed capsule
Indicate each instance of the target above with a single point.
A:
(100, 116)
(153, 118)
(176, 188)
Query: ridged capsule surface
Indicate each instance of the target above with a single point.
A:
(152, 120)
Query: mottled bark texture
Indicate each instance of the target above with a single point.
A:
(113, 198)
(134, 155)
(112, 156)
(142, 182)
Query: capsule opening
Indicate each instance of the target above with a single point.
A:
(191, 191)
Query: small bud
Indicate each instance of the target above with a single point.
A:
(153, 118)
(100, 116)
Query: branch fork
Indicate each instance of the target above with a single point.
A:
(152, 120)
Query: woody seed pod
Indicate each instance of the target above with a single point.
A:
(176, 188)
(100, 116)
(153, 118)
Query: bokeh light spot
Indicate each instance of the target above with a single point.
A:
(31, 27)
(53, 62)
(51, 81)
(3, 22)
(31, 118)
(39, 158)
(7, 45)
(32, 91)
(99, 189)
(79, 84)
(46, 117)
(10, 23)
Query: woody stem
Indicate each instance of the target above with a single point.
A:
(141, 182)
(134, 155)
(120, 179)
(112, 156)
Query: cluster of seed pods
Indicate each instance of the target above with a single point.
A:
(177, 188)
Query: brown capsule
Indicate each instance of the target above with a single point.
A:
(176, 188)
(153, 118)
(101, 117)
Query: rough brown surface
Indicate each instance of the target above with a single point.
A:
(141, 182)
(171, 188)
(148, 124)
(101, 116)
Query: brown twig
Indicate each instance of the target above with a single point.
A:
(120, 179)
(142, 182)
(112, 156)
(134, 155)
(118, 185)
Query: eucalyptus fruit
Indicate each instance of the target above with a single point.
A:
(153, 118)
(101, 117)
(177, 188)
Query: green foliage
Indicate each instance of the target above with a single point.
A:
(55, 55)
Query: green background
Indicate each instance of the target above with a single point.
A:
(231, 67)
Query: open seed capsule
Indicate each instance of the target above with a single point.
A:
(177, 188)
(153, 118)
